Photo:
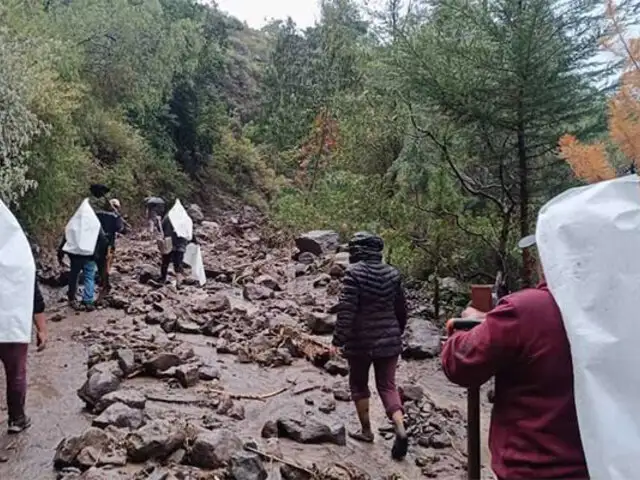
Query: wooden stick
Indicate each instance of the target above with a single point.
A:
(273, 458)
(249, 396)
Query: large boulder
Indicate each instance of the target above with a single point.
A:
(195, 212)
(121, 416)
(318, 242)
(214, 449)
(156, 440)
(421, 340)
(98, 385)
(311, 431)
(247, 466)
(69, 448)
(320, 323)
(127, 396)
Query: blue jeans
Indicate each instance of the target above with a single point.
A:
(89, 270)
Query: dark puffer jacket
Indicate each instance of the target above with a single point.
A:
(372, 312)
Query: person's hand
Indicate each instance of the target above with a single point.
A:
(471, 312)
(42, 337)
(335, 351)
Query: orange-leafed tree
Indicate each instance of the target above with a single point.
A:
(594, 162)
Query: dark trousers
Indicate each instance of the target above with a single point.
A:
(385, 372)
(175, 257)
(14, 358)
(79, 264)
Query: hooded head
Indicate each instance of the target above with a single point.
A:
(365, 247)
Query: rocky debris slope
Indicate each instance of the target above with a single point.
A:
(157, 369)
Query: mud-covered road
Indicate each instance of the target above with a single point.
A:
(229, 380)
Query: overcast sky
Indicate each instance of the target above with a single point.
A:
(255, 12)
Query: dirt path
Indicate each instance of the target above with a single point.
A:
(56, 374)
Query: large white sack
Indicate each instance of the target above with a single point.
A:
(17, 281)
(181, 221)
(82, 231)
(589, 244)
(193, 258)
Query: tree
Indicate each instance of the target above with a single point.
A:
(510, 76)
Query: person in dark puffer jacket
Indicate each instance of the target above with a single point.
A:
(372, 315)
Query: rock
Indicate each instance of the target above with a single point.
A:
(111, 366)
(311, 431)
(306, 259)
(177, 457)
(128, 396)
(291, 473)
(320, 323)
(247, 466)
(109, 455)
(337, 366)
(160, 317)
(121, 416)
(322, 280)
(225, 406)
(156, 440)
(188, 375)
(146, 273)
(207, 373)
(237, 412)
(214, 449)
(269, 282)
(118, 302)
(186, 326)
(436, 440)
(98, 385)
(336, 271)
(95, 473)
(126, 360)
(269, 429)
(161, 362)
(421, 340)
(252, 292)
(216, 303)
(69, 448)
(341, 259)
(411, 393)
(195, 212)
(318, 242)
(327, 405)
(341, 392)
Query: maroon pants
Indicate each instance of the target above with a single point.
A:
(385, 372)
(14, 358)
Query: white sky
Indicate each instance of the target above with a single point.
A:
(256, 12)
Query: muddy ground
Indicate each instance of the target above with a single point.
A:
(230, 380)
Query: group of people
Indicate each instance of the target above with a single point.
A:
(521, 342)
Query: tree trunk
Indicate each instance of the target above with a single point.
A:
(524, 204)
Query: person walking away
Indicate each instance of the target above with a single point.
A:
(173, 250)
(112, 224)
(522, 342)
(155, 207)
(371, 317)
(22, 306)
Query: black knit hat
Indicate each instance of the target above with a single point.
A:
(366, 241)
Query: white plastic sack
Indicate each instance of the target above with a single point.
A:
(17, 281)
(193, 258)
(82, 231)
(181, 221)
(589, 244)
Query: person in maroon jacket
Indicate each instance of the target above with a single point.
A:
(522, 342)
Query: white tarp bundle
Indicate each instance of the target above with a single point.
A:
(589, 244)
(181, 221)
(82, 231)
(17, 281)
(193, 258)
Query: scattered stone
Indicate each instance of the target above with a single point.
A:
(186, 326)
(322, 280)
(337, 366)
(327, 405)
(214, 449)
(291, 473)
(128, 396)
(161, 362)
(436, 440)
(217, 303)
(306, 259)
(58, 317)
(269, 430)
(188, 375)
(96, 386)
(269, 282)
(247, 466)
(207, 373)
(225, 406)
(318, 242)
(147, 273)
(69, 448)
(121, 416)
(311, 431)
(106, 367)
(126, 360)
(411, 393)
(341, 392)
(422, 340)
(237, 412)
(156, 440)
(320, 323)
(177, 457)
(161, 317)
(252, 292)
(195, 212)
(109, 455)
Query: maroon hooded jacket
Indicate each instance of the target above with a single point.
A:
(534, 429)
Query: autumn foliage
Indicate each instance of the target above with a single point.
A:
(590, 162)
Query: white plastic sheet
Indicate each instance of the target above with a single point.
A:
(82, 231)
(17, 281)
(589, 244)
(193, 258)
(181, 221)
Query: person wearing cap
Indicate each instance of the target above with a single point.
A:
(112, 224)
(523, 344)
(155, 208)
(371, 317)
(174, 254)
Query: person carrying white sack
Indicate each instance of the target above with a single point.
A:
(22, 306)
(177, 229)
